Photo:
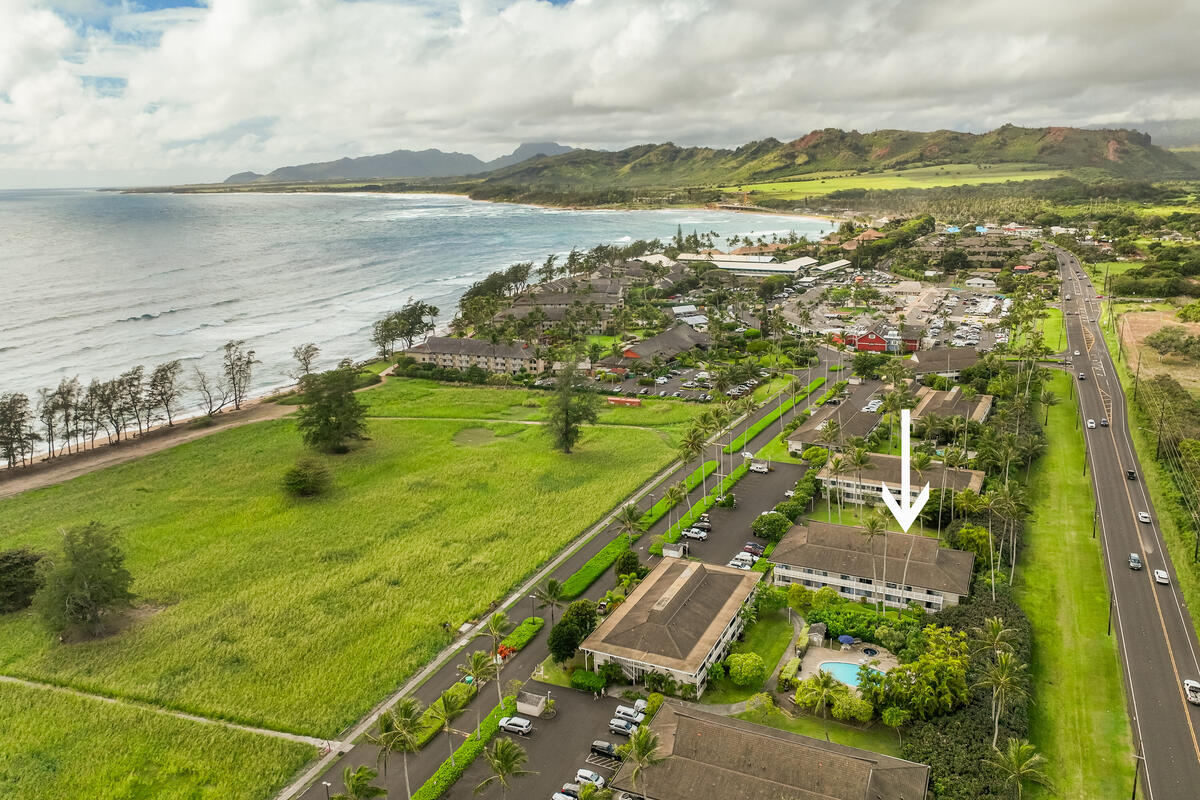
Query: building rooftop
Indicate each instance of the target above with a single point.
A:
(851, 422)
(710, 756)
(885, 469)
(675, 616)
(944, 359)
(449, 345)
(669, 343)
(951, 404)
(843, 550)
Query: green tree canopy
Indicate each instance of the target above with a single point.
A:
(87, 583)
(572, 405)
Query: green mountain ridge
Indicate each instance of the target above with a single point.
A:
(1120, 153)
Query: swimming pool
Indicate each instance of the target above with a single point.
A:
(843, 671)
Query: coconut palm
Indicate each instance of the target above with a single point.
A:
(991, 504)
(505, 760)
(837, 468)
(358, 784)
(993, 635)
(399, 732)
(691, 447)
(642, 751)
(481, 667)
(873, 526)
(550, 595)
(860, 459)
(818, 691)
(496, 629)
(920, 461)
(829, 432)
(1020, 763)
(673, 496)
(1049, 400)
(442, 712)
(1005, 677)
(629, 519)
(627, 583)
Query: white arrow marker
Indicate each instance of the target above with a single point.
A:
(905, 513)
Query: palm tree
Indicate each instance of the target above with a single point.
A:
(590, 791)
(818, 691)
(673, 496)
(627, 583)
(920, 461)
(830, 430)
(1020, 763)
(629, 519)
(443, 711)
(1005, 677)
(837, 468)
(642, 752)
(991, 504)
(993, 636)
(892, 403)
(358, 784)
(480, 667)
(874, 525)
(505, 759)
(399, 732)
(691, 447)
(1049, 400)
(550, 595)
(496, 629)
(860, 459)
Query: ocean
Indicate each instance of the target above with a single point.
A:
(98, 282)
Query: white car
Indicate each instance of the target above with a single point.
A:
(587, 776)
(1191, 689)
(695, 533)
(1161, 576)
(1076, 352)
(1143, 517)
(742, 565)
(660, 381)
(631, 714)
(1091, 423)
(517, 725)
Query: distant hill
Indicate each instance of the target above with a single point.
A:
(400, 164)
(1122, 153)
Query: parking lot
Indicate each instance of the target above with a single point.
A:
(672, 385)
(731, 526)
(557, 747)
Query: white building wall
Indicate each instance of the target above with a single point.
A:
(855, 587)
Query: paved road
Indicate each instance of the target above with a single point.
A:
(444, 671)
(1154, 630)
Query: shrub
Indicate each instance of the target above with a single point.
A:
(792, 509)
(612, 674)
(653, 704)
(627, 563)
(585, 576)
(452, 769)
(787, 675)
(582, 613)
(848, 707)
(523, 633)
(307, 478)
(18, 578)
(662, 683)
(587, 681)
(746, 669)
(87, 584)
(771, 526)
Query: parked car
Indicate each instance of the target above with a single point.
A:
(1191, 690)
(1143, 517)
(570, 790)
(587, 776)
(1091, 423)
(1135, 561)
(760, 468)
(754, 548)
(695, 533)
(634, 716)
(517, 725)
(660, 380)
(742, 565)
(1161, 576)
(640, 705)
(622, 726)
(561, 796)
(702, 524)
(1076, 352)
(602, 607)
(605, 749)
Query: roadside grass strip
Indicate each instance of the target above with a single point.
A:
(774, 414)
(1078, 718)
(694, 479)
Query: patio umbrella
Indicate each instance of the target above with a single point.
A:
(846, 639)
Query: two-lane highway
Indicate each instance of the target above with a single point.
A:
(1155, 635)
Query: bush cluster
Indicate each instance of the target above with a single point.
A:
(308, 477)
(587, 681)
(523, 633)
(452, 769)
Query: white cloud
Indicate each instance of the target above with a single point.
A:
(256, 84)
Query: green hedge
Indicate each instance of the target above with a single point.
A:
(521, 634)
(837, 387)
(660, 509)
(429, 729)
(775, 413)
(587, 681)
(787, 675)
(586, 575)
(449, 772)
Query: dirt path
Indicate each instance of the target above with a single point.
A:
(291, 737)
(64, 468)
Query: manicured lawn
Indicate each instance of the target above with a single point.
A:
(55, 746)
(769, 638)
(1078, 717)
(919, 178)
(551, 672)
(301, 615)
(777, 450)
(1050, 323)
(765, 390)
(877, 738)
(852, 514)
(1113, 268)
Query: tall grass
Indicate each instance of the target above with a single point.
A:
(301, 615)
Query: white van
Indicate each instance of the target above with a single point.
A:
(627, 713)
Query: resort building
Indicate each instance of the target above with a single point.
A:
(981, 283)
(951, 404)
(818, 554)
(884, 470)
(461, 354)
(744, 266)
(949, 362)
(846, 421)
(710, 756)
(679, 621)
(665, 346)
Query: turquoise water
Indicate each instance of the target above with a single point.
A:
(843, 671)
(97, 282)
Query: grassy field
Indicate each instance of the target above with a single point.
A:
(415, 397)
(877, 738)
(776, 450)
(768, 637)
(919, 178)
(1050, 324)
(1114, 268)
(54, 745)
(852, 515)
(300, 615)
(1078, 717)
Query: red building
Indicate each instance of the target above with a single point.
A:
(866, 342)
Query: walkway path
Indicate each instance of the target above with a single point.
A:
(293, 737)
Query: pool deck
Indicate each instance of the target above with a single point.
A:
(853, 654)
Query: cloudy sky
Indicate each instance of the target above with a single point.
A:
(105, 92)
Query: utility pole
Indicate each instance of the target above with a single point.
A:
(1137, 375)
(1161, 415)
